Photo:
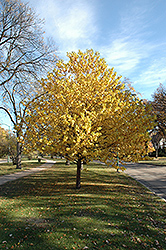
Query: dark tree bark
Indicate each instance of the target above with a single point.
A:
(18, 166)
(18, 158)
(157, 150)
(67, 162)
(78, 179)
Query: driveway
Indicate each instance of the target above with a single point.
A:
(153, 177)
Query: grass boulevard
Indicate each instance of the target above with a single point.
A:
(110, 211)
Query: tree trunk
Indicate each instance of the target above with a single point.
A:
(84, 161)
(67, 162)
(82, 166)
(157, 150)
(18, 160)
(78, 184)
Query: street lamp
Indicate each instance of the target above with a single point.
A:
(8, 144)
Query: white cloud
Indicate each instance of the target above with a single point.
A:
(125, 54)
(71, 23)
(130, 45)
(155, 73)
(75, 24)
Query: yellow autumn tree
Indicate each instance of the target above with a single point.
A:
(87, 113)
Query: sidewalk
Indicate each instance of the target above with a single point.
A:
(15, 176)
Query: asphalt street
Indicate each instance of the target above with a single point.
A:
(153, 177)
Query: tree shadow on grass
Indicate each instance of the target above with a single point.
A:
(80, 221)
(45, 211)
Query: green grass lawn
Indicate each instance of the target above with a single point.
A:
(160, 161)
(110, 211)
(9, 168)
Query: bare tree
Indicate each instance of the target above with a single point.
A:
(24, 58)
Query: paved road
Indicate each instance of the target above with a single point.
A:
(153, 177)
(3, 160)
(12, 177)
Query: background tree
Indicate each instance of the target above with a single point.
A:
(156, 138)
(24, 56)
(159, 107)
(7, 144)
(4, 146)
(88, 113)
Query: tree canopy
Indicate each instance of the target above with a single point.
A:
(88, 113)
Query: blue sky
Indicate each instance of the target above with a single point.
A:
(129, 34)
